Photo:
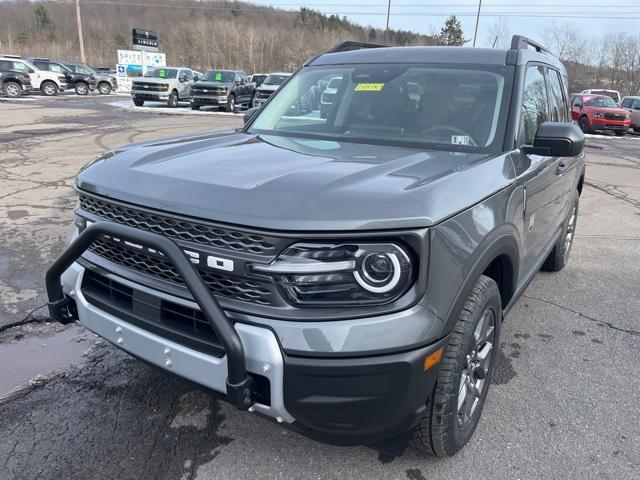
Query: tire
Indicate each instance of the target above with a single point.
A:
(49, 88)
(583, 123)
(252, 102)
(449, 424)
(138, 102)
(620, 134)
(104, 88)
(173, 100)
(231, 104)
(12, 89)
(81, 88)
(195, 107)
(636, 129)
(559, 256)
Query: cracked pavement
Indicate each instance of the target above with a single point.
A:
(563, 402)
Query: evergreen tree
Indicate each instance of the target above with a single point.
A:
(452, 34)
(372, 35)
(42, 19)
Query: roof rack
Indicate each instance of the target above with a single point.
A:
(520, 42)
(350, 46)
(8, 55)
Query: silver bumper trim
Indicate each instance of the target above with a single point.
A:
(263, 353)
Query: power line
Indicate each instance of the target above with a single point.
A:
(583, 15)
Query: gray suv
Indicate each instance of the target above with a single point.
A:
(346, 276)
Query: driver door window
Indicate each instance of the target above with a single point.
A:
(535, 103)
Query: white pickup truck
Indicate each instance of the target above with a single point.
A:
(164, 84)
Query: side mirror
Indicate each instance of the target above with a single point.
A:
(249, 114)
(556, 139)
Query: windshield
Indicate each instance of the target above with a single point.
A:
(218, 76)
(275, 79)
(162, 73)
(415, 105)
(601, 102)
(609, 93)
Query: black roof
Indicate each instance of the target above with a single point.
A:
(522, 52)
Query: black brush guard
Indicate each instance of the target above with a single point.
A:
(61, 306)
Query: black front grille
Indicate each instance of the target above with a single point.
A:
(179, 323)
(147, 87)
(208, 90)
(154, 265)
(179, 228)
(263, 95)
(614, 116)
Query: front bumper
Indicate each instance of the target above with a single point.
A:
(209, 99)
(347, 400)
(150, 96)
(611, 125)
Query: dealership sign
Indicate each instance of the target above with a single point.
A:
(145, 40)
(141, 60)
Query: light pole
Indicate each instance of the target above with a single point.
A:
(386, 32)
(82, 58)
(475, 34)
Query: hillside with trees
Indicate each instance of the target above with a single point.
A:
(202, 34)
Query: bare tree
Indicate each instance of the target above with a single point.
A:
(499, 35)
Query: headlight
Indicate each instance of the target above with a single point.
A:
(341, 274)
(627, 117)
(164, 87)
(598, 114)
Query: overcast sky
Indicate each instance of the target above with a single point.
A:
(526, 17)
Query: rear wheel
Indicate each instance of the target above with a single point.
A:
(49, 88)
(559, 256)
(104, 88)
(465, 374)
(173, 100)
(81, 88)
(620, 134)
(12, 89)
(138, 102)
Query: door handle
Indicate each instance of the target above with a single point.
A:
(562, 166)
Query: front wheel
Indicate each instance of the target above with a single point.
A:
(620, 134)
(138, 102)
(12, 89)
(465, 374)
(173, 100)
(231, 104)
(104, 88)
(49, 89)
(81, 88)
(195, 107)
(583, 123)
(559, 256)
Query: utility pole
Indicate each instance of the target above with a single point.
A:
(475, 34)
(82, 58)
(386, 32)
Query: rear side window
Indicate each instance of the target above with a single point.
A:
(559, 111)
(534, 103)
(5, 65)
(21, 67)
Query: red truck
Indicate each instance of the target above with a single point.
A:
(599, 113)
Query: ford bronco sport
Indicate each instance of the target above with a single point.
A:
(347, 276)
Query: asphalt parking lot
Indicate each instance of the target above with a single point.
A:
(564, 402)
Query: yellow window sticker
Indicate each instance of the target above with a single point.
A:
(369, 87)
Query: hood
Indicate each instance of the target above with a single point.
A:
(268, 88)
(616, 110)
(283, 183)
(151, 80)
(204, 83)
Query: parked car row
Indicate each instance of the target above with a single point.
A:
(599, 113)
(224, 89)
(18, 76)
